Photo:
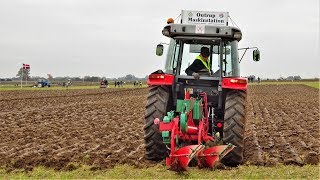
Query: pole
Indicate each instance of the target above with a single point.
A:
(21, 75)
(220, 75)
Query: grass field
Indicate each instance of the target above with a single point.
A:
(12, 88)
(315, 84)
(160, 172)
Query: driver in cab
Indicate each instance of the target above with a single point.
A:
(201, 65)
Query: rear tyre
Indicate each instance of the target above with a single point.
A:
(234, 126)
(158, 103)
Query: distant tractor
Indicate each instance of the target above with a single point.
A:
(67, 84)
(197, 119)
(104, 83)
(43, 83)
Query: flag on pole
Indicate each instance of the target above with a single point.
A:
(26, 66)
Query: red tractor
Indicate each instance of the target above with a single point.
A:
(197, 120)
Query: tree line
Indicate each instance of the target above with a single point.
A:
(25, 74)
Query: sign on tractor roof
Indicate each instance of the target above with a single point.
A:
(204, 17)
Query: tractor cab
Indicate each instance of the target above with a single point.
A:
(189, 112)
(185, 46)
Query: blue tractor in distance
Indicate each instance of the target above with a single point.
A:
(43, 83)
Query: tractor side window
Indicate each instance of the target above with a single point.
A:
(231, 61)
(227, 64)
(175, 56)
(187, 59)
(215, 59)
(170, 57)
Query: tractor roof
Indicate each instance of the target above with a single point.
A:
(201, 31)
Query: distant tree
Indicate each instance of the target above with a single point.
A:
(130, 77)
(25, 75)
(86, 78)
(76, 79)
(91, 78)
(297, 78)
(35, 78)
(95, 79)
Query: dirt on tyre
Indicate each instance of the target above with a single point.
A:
(234, 126)
(158, 103)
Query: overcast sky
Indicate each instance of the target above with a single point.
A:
(114, 38)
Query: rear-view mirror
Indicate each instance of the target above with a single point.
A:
(256, 55)
(159, 50)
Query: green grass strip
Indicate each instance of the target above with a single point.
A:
(161, 172)
(17, 88)
(315, 84)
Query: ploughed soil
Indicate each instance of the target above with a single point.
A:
(104, 127)
(282, 125)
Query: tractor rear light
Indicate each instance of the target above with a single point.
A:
(235, 83)
(219, 125)
(238, 81)
(156, 76)
(160, 79)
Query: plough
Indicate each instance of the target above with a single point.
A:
(186, 134)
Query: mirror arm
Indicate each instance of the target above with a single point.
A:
(243, 55)
(245, 51)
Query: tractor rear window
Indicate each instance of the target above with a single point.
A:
(230, 62)
(188, 58)
(230, 58)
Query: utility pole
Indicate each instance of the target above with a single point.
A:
(21, 75)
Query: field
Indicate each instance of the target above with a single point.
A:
(103, 128)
